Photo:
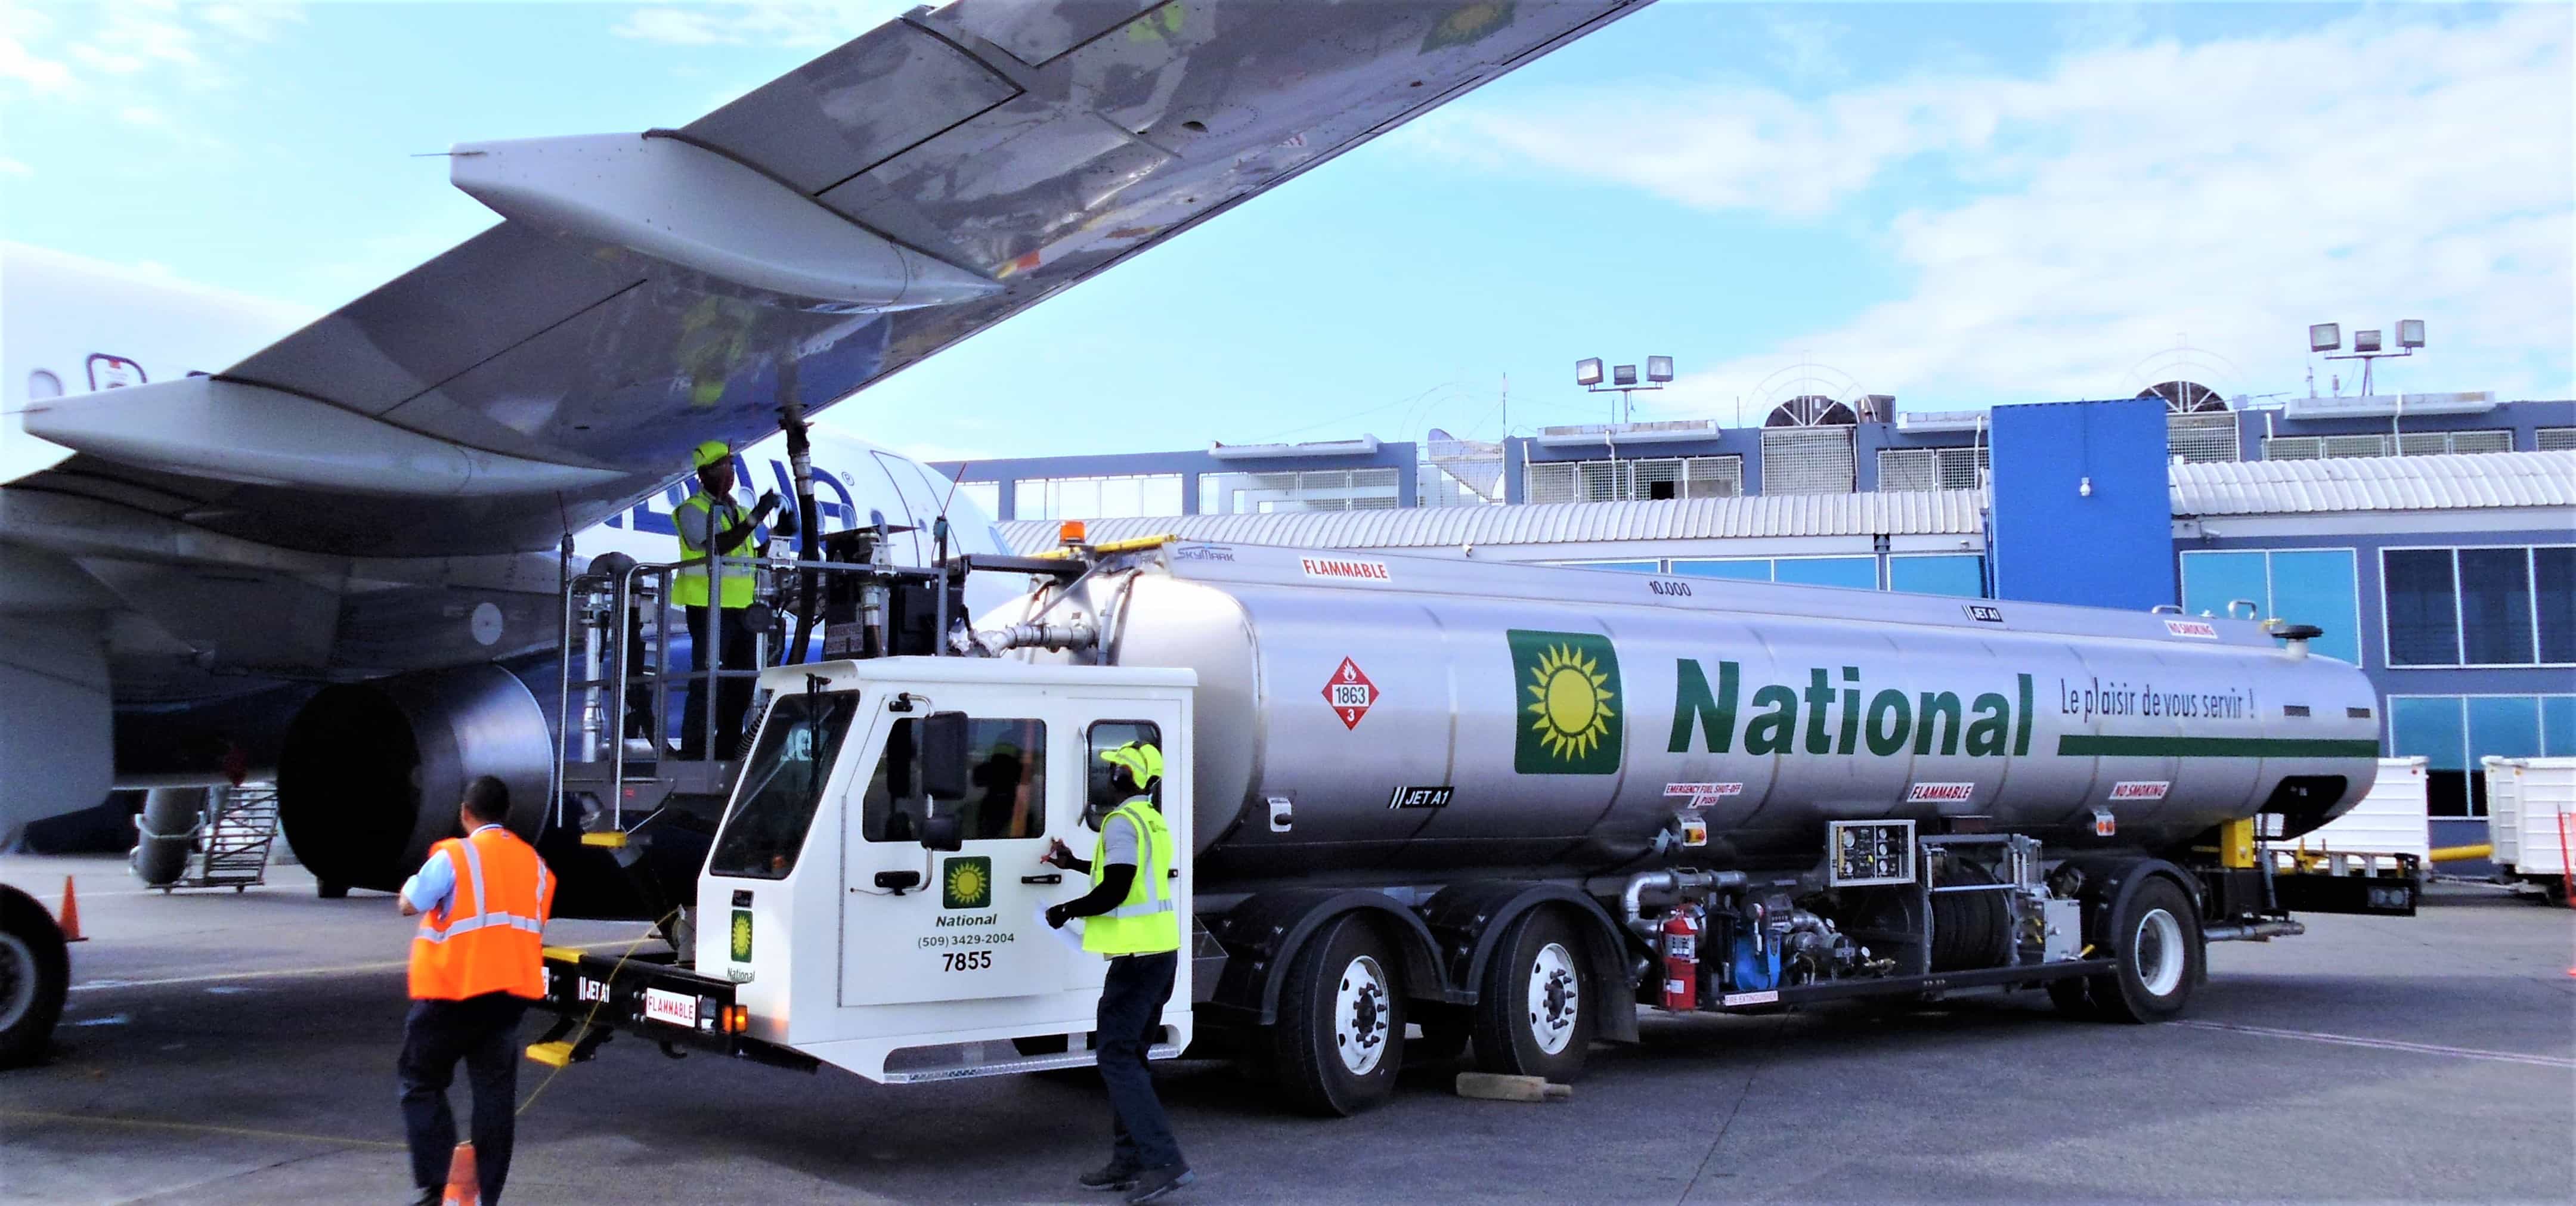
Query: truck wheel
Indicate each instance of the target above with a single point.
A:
(329, 890)
(2156, 939)
(1534, 1012)
(1340, 1037)
(35, 971)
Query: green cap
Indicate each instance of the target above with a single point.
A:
(709, 453)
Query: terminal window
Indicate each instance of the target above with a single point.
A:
(2452, 733)
(2508, 606)
(2303, 586)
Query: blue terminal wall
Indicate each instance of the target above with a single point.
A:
(2082, 511)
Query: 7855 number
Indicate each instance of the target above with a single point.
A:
(965, 960)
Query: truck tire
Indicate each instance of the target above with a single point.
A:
(1535, 1011)
(1340, 1038)
(330, 889)
(2156, 939)
(35, 972)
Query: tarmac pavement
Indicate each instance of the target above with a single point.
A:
(225, 1048)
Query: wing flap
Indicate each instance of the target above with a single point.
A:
(471, 304)
(854, 107)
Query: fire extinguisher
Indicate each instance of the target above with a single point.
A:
(1681, 960)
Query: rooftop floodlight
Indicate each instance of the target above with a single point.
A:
(2325, 337)
(1587, 372)
(2365, 341)
(2410, 332)
(1660, 368)
(1623, 374)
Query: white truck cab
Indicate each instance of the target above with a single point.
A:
(875, 895)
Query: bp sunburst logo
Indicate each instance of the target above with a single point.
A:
(966, 883)
(742, 935)
(1567, 708)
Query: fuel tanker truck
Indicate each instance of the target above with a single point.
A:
(1513, 806)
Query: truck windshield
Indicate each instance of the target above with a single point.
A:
(782, 783)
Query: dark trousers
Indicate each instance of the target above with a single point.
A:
(484, 1032)
(1131, 1018)
(733, 695)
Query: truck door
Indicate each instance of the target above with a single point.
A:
(921, 925)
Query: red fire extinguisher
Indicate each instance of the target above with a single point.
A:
(1681, 960)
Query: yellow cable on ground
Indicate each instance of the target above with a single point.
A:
(586, 1018)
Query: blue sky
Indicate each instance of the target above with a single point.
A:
(1957, 205)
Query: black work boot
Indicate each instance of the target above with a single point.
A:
(1155, 1184)
(1112, 1175)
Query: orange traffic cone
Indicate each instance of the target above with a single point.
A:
(462, 1187)
(70, 920)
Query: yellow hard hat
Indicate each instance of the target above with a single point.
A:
(709, 453)
(1140, 758)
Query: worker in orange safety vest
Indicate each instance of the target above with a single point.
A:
(476, 961)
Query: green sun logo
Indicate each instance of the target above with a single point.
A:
(966, 883)
(1567, 704)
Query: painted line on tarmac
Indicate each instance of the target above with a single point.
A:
(2347, 1040)
(344, 969)
(197, 1127)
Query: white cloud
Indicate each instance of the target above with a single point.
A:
(2231, 192)
(11, 167)
(20, 63)
(1809, 45)
(759, 24)
(60, 51)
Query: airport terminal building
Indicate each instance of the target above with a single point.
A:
(2432, 536)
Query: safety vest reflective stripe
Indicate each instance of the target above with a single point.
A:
(483, 917)
(1158, 893)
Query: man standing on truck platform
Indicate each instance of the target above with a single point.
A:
(1133, 922)
(476, 962)
(711, 519)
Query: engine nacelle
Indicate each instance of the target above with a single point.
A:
(371, 773)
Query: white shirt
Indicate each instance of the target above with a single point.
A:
(435, 882)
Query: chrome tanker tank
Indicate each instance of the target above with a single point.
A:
(1361, 714)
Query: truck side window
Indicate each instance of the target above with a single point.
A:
(1108, 735)
(781, 784)
(1006, 777)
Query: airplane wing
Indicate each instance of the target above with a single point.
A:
(650, 291)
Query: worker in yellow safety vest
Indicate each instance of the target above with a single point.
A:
(709, 519)
(1132, 921)
(476, 961)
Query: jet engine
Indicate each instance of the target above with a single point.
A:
(371, 773)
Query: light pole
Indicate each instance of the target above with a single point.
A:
(2328, 337)
(1623, 381)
